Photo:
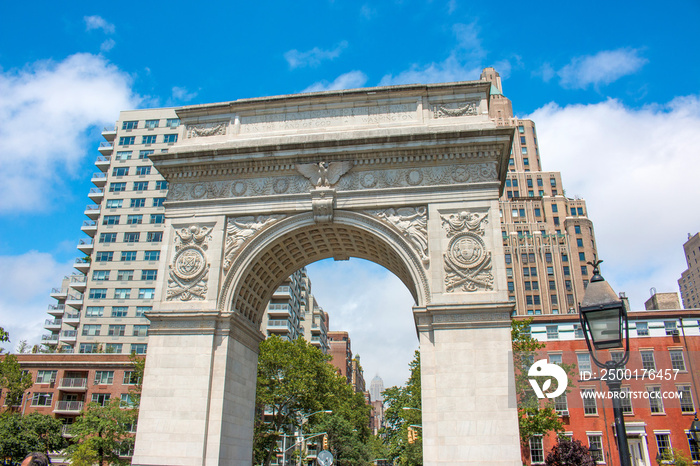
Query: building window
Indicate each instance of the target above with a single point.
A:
(119, 311)
(122, 293)
(100, 398)
(116, 330)
(123, 155)
(536, 299)
(140, 330)
(141, 310)
(584, 270)
(138, 348)
(158, 201)
(533, 271)
(642, 329)
(131, 237)
(656, 404)
(172, 122)
(110, 220)
(149, 274)
(536, 450)
(108, 237)
(128, 256)
(677, 361)
(584, 361)
(579, 242)
(511, 287)
(140, 185)
(126, 140)
(670, 327)
(100, 275)
(538, 212)
(151, 255)
(104, 256)
(582, 256)
(113, 347)
(162, 184)
(94, 311)
(550, 270)
(46, 376)
(140, 202)
(648, 360)
(126, 401)
(552, 283)
(117, 188)
(548, 257)
(148, 139)
(686, 398)
(88, 348)
(589, 403)
(143, 154)
(98, 293)
(694, 448)
(151, 124)
(154, 236)
(157, 218)
(91, 330)
(578, 333)
(120, 171)
(625, 401)
(595, 442)
(552, 332)
(566, 271)
(146, 293)
(508, 259)
(114, 203)
(130, 378)
(169, 138)
(130, 125)
(104, 377)
(42, 399)
(124, 275)
(577, 228)
(663, 443)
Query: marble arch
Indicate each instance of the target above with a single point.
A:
(407, 177)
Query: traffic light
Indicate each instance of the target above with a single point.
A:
(325, 442)
(411, 434)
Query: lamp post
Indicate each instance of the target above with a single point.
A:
(694, 431)
(603, 317)
(304, 418)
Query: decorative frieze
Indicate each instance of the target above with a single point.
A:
(456, 110)
(467, 263)
(189, 270)
(207, 129)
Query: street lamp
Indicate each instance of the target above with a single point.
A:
(694, 431)
(603, 317)
(304, 418)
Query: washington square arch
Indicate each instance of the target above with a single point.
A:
(405, 176)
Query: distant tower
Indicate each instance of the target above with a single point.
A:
(376, 387)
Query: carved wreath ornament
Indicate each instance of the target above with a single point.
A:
(467, 263)
(189, 270)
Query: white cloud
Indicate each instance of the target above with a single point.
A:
(375, 308)
(98, 22)
(368, 12)
(313, 57)
(602, 68)
(46, 111)
(25, 282)
(638, 171)
(462, 64)
(107, 45)
(181, 94)
(451, 6)
(350, 80)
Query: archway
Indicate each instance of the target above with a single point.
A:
(406, 177)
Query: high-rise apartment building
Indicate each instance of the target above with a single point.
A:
(689, 283)
(101, 307)
(376, 387)
(547, 237)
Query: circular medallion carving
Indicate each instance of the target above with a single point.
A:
(460, 175)
(281, 185)
(368, 180)
(199, 190)
(467, 250)
(189, 262)
(239, 188)
(414, 177)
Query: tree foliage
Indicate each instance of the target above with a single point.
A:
(14, 380)
(674, 457)
(294, 381)
(398, 419)
(100, 433)
(569, 452)
(21, 435)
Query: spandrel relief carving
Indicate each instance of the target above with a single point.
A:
(240, 229)
(456, 110)
(467, 263)
(412, 223)
(189, 270)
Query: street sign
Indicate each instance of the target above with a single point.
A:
(324, 458)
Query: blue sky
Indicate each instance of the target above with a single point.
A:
(613, 87)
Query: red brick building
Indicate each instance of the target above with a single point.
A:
(661, 380)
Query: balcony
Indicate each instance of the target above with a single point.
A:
(78, 282)
(71, 318)
(58, 293)
(279, 325)
(68, 407)
(56, 310)
(75, 300)
(282, 292)
(106, 148)
(75, 384)
(99, 179)
(50, 339)
(92, 211)
(96, 194)
(109, 133)
(69, 336)
(66, 432)
(102, 162)
(85, 246)
(89, 228)
(82, 264)
(53, 324)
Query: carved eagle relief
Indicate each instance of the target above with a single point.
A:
(324, 174)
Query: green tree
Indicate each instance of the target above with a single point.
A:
(100, 433)
(674, 457)
(569, 452)
(14, 380)
(398, 419)
(20, 435)
(535, 416)
(139, 362)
